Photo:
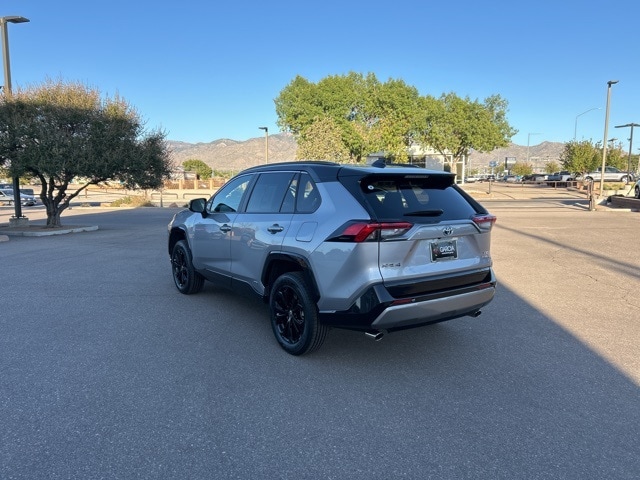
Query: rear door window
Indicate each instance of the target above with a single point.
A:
(271, 192)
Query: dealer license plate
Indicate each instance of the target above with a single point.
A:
(445, 250)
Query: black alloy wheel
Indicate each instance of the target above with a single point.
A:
(294, 315)
(187, 280)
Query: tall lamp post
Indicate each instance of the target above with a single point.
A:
(630, 145)
(606, 132)
(528, 141)
(575, 129)
(266, 143)
(18, 219)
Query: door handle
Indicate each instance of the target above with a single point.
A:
(275, 228)
(225, 228)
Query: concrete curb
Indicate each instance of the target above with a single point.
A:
(40, 232)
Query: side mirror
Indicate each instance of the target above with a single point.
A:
(198, 205)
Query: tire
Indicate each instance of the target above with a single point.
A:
(294, 315)
(637, 191)
(187, 280)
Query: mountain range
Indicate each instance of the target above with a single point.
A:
(234, 155)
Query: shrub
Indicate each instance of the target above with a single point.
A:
(132, 202)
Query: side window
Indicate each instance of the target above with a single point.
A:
(269, 193)
(308, 198)
(230, 195)
(289, 202)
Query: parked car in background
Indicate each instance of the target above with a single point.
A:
(535, 178)
(563, 176)
(7, 197)
(372, 249)
(611, 174)
(487, 178)
(510, 178)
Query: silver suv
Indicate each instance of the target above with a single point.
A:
(611, 174)
(372, 249)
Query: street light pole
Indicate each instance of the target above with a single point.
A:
(575, 129)
(266, 143)
(630, 146)
(606, 132)
(528, 139)
(18, 218)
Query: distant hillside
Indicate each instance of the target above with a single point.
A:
(225, 154)
(538, 155)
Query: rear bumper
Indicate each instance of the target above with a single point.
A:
(432, 311)
(379, 310)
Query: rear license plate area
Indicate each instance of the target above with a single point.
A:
(444, 250)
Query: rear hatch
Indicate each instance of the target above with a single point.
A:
(431, 234)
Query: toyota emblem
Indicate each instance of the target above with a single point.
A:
(447, 231)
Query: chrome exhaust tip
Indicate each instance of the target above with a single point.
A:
(375, 334)
(476, 314)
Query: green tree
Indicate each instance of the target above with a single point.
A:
(59, 131)
(454, 125)
(201, 169)
(522, 169)
(322, 140)
(551, 167)
(616, 157)
(373, 116)
(369, 115)
(580, 156)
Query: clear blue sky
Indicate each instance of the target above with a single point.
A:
(204, 70)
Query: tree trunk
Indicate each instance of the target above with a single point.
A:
(53, 216)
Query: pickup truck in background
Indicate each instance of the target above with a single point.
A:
(563, 176)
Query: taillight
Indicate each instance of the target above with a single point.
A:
(484, 222)
(366, 232)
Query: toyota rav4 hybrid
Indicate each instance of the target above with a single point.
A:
(368, 248)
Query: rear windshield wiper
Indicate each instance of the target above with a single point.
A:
(425, 213)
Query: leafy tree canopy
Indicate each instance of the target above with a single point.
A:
(203, 170)
(454, 125)
(58, 131)
(322, 140)
(369, 116)
(580, 156)
(522, 169)
(585, 156)
(616, 157)
(551, 167)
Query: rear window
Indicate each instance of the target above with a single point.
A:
(429, 198)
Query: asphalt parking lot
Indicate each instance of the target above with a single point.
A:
(106, 371)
